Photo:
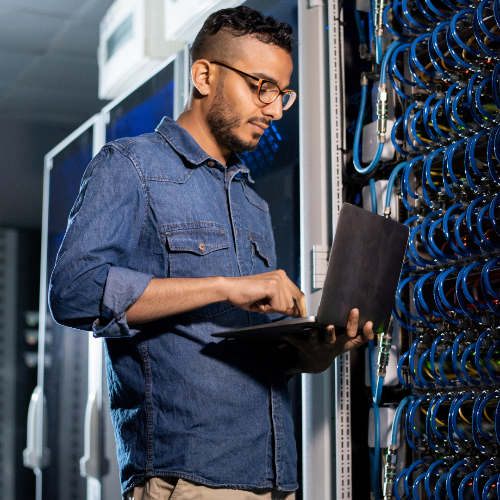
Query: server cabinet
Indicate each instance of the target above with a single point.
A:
(57, 410)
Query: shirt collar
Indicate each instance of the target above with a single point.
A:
(185, 145)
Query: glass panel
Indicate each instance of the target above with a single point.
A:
(65, 382)
(275, 162)
(120, 37)
(141, 111)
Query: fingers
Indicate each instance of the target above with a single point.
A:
(352, 323)
(368, 333)
(330, 334)
(300, 302)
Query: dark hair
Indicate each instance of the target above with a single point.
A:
(241, 21)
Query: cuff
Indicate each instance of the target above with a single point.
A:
(123, 288)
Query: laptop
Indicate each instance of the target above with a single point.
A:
(363, 272)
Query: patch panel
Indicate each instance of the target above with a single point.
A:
(441, 66)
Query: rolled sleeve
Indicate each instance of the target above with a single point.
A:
(123, 288)
(91, 285)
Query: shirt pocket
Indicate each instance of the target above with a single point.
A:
(198, 250)
(261, 253)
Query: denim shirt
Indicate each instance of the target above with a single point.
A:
(183, 403)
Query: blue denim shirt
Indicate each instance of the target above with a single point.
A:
(183, 403)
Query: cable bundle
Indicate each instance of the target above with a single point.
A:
(443, 68)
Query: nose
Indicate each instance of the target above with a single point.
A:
(274, 110)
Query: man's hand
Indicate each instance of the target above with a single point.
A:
(267, 293)
(315, 356)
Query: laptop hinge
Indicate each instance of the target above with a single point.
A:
(320, 264)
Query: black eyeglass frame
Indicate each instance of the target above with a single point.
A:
(291, 93)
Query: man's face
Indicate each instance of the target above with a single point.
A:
(237, 118)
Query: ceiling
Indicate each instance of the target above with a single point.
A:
(48, 61)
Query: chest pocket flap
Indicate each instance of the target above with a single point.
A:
(198, 241)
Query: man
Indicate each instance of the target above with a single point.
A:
(166, 244)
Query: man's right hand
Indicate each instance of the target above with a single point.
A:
(267, 293)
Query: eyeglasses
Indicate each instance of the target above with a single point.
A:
(267, 91)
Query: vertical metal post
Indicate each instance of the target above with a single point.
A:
(315, 224)
(342, 392)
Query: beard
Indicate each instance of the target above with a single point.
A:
(222, 120)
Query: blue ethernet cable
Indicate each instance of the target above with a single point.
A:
(441, 487)
(432, 359)
(402, 381)
(453, 29)
(445, 257)
(439, 284)
(479, 416)
(497, 427)
(359, 124)
(477, 19)
(475, 427)
(487, 243)
(486, 285)
(454, 108)
(373, 196)
(415, 257)
(406, 175)
(425, 13)
(400, 303)
(411, 412)
(449, 160)
(426, 175)
(411, 362)
(496, 11)
(435, 43)
(492, 150)
(454, 358)
(396, 483)
(449, 479)
(494, 85)
(418, 294)
(400, 19)
(428, 424)
(483, 26)
(420, 366)
(394, 66)
(434, 114)
(477, 357)
(413, 72)
(487, 115)
(489, 357)
(471, 94)
(470, 223)
(477, 476)
(396, 87)
(458, 238)
(426, 117)
(452, 422)
(430, 472)
(448, 108)
(409, 471)
(471, 152)
(434, 411)
(413, 54)
(444, 75)
(393, 136)
(489, 484)
(424, 235)
(463, 364)
(463, 484)
(406, 127)
(413, 21)
(414, 490)
(495, 202)
(442, 296)
(388, 26)
(361, 31)
(465, 290)
(414, 133)
(440, 13)
(449, 42)
(453, 427)
(376, 452)
(408, 427)
(446, 220)
(397, 417)
(392, 180)
(441, 371)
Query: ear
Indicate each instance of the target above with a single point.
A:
(203, 76)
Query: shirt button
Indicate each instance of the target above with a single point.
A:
(236, 231)
(211, 163)
(201, 246)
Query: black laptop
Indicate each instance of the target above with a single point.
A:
(363, 273)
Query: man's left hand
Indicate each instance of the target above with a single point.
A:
(316, 355)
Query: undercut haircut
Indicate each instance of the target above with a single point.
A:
(241, 21)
